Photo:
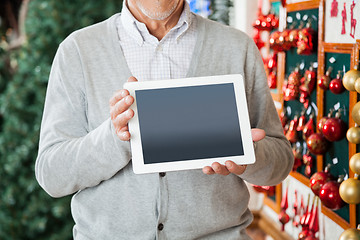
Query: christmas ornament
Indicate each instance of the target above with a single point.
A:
(324, 81)
(353, 20)
(309, 127)
(272, 62)
(323, 120)
(330, 196)
(308, 160)
(334, 9)
(304, 224)
(317, 143)
(297, 158)
(283, 216)
(336, 85)
(274, 41)
(294, 36)
(257, 39)
(344, 19)
(355, 113)
(357, 85)
(283, 3)
(291, 134)
(295, 210)
(283, 118)
(272, 80)
(314, 222)
(334, 129)
(350, 234)
(318, 179)
(301, 122)
(307, 86)
(291, 91)
(268, 190)
(306, 41)
(354, 163)
(284, 40)
(350, 77)
(353, 135)
(350, 190)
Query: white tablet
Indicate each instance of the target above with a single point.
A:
(189, 123)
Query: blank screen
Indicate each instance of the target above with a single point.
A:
(189, 123)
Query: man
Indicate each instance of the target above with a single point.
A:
(84, 146)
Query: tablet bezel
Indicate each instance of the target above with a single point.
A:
(245, 130)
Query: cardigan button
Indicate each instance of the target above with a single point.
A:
(162, 174)
(160, 227)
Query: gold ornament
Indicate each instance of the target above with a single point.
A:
(350, 191)
(354, 163)
(350, 234)
(357, 85)
(355, 113)
(349, 79)
(353, 135)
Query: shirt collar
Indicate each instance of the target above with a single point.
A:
(137, 30)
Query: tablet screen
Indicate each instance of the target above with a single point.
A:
(187, 123)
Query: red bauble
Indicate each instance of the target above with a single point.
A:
(330, 196)
(317, 143)
(274, 41)
(309, 128)
(272, 62)
(308, 160)
(284, 39)
(297, 158)
(336, 86)
(301, 123)
(321, 122)
(324, 81)
(291, 134)
(334, 129)
(272, 80)
(306, 41)
(318, 179)
(303, 234)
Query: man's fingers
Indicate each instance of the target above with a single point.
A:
(208, 170)
(257, 134)
(121, 106)
(120, 94)
(234, 168)
(132, 79)
(220, 169)
(122, 119)
(124, 135)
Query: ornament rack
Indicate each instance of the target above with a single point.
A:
(348, 57)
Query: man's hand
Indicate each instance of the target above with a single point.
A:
(230, 166)
(120, 112)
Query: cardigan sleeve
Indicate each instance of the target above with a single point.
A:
(71, 157)
(274, 158)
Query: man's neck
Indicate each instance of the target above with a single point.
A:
(157, 28)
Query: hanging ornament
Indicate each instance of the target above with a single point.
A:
(322, 120)
(291, 91)
(355, 113)
(334, 129)
(314, 222)
(284, 40)
(302, 121)
(307, 86)
(308, 160)
(295, 210)
(318, 179)
(357, 85)
(291, 134)
(272, 62)
(297, 158)
(353, 20)
(283, 216)
(350, 77)
(334, 9)
(344, 19)
(283, 3)
(307, 38)
(274, 41)
(350, 234)
(272, 80)
(283, 118)
(350, 190)
(272, 20)
(309, 128)
(257, 39)
(317, 144)
(304, 224)
(330, 195)
(353, 135)
(336, 85)
(324, 81)
(354, 163)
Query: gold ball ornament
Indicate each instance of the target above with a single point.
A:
(350, 234)
(354, 163)
(357, 85)
(355, 113)
(349, 79)
(353, 135)
(350, 191)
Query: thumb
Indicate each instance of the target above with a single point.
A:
(132, 79)
(257, 134)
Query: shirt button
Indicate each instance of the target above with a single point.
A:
(162, 174)
(160, 227)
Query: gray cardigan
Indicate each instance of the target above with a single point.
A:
(80, 153)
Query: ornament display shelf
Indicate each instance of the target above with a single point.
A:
(350, 217)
